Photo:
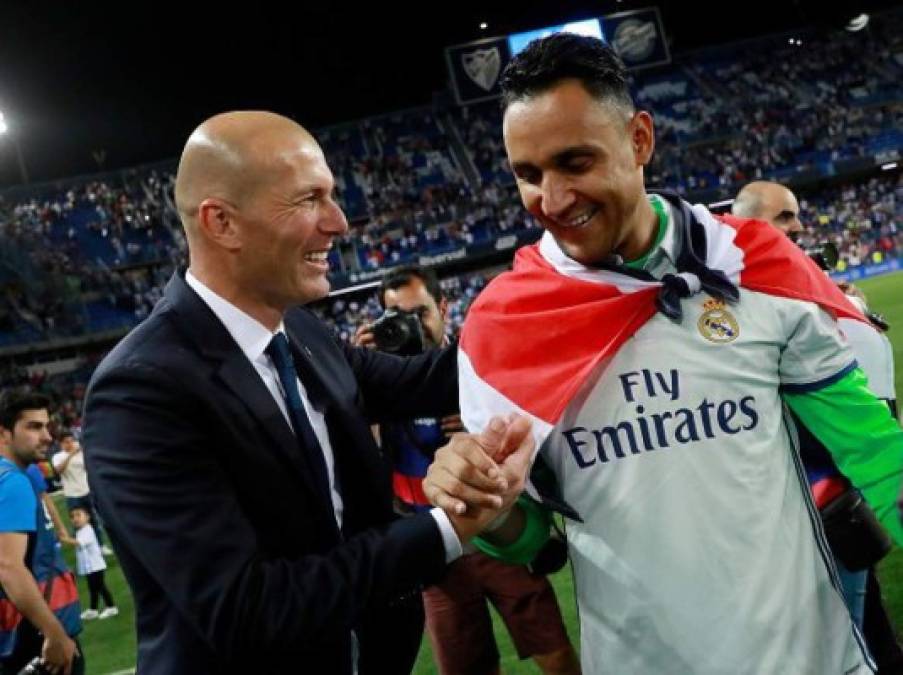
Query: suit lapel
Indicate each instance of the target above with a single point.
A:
(239, 377)
(348, 436)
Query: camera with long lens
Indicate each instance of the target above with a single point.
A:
(824, 254)
(399, 332)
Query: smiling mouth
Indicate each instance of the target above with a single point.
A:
(317, 257)
(579, 221)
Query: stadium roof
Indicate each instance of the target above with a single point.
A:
(130, 80)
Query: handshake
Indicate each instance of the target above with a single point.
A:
(476, 478)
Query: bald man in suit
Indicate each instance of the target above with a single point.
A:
(228, 444)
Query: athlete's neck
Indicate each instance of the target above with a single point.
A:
(644, 234)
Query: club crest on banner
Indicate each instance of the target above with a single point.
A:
(635, 40)
(483, 66)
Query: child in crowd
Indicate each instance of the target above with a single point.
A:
(89, 563)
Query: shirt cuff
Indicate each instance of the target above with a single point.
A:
(453, 549)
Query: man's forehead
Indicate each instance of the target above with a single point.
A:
(413, 292)
(31, 416)
(304, 164)
(547, 126)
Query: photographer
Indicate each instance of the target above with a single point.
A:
(853, 534)
(457, 616)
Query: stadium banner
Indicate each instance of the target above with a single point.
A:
(866, 271)
(507, 242)
(475, 67)
(638, 37)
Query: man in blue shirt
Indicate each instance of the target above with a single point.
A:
(38, 598)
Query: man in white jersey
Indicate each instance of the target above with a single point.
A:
(654, 348)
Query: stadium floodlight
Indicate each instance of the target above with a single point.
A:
(857, 23)
(4, 128)
(484, 25)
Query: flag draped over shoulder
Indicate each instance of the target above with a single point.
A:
(536, 333)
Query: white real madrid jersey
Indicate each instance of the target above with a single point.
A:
(700, 551)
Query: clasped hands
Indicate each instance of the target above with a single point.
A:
(476, 478)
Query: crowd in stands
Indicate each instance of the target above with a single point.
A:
(93, 255)
(458, 220)
(864, 220)
(65, 256)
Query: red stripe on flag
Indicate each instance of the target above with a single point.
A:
(535, 335)
(775, 265)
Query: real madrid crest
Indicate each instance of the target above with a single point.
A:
(717, 324)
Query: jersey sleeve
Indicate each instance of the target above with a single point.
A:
(862, 436)
(815, 353)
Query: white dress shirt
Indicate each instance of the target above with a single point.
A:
(252, 337)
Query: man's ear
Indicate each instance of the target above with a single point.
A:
(642, 136)
(217, 221)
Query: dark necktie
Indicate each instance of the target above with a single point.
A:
(279, 351)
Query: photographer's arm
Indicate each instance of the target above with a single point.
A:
(61, 460)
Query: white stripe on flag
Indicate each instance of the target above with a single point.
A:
(553, 254)
(480, 402)
(721, 251)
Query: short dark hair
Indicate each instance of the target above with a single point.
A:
(83, 509)
(403, 275)
(14, 403)
(66, 433)
(547, 61)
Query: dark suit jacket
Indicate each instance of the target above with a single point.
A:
(235, 563)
